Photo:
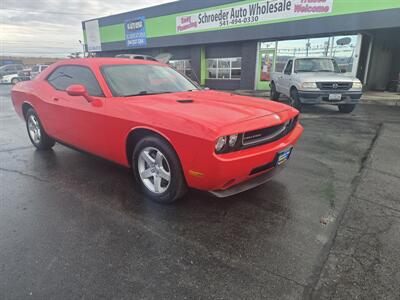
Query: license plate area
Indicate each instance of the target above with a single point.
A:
(335, 97)
(283, 156)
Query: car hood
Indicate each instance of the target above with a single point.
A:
(326, 76)
(212, 108)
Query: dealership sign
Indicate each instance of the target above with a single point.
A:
(252, 13)
(135, 33)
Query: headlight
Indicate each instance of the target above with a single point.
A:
(232, 140)
(357, 85)
(221, 142)
(309, 85)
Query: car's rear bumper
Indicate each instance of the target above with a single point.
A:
(223, 174)
(322, 97)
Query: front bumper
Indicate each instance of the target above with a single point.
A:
(226, 172)
(249, 184)
(322, 97)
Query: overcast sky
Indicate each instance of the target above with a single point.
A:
(52, 28)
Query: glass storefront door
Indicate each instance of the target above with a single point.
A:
(266, 63)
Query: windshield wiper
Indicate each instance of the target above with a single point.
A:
(324, 71)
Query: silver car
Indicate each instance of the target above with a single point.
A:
(37, 69)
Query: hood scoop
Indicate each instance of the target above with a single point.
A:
(185, 101)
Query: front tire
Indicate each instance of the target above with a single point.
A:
(346, 108)
(14, 81)
(274, 94)
(36, 133)
(295, 100)
(157, 170)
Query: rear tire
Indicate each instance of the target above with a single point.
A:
(346, 108)
(274, 95)
(36, 133)
(294, 99)
(14, 81)
(157, 170)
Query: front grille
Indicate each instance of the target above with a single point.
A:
(268, 134)
(334, 85)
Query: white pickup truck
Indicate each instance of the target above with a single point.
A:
(316, 80)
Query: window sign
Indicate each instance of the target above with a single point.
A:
(135, 33)
(93, 36)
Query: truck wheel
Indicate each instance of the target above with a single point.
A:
(294, 99)
(346, 108)
(274, 95)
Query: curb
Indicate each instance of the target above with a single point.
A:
(388, 102)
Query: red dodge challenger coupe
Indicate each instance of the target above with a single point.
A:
(147, 116)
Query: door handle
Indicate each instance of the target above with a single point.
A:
(55, 99)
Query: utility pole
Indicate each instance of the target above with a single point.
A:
(83, 48)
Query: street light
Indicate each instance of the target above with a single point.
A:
(83, 47)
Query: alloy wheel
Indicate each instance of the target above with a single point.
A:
(34, 129)
(154, 170)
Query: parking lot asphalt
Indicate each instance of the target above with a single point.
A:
(73, 226)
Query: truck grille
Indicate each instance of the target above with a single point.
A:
(268, 134)
(336, 86)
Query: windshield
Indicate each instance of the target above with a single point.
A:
(137, 79)
(316, 65)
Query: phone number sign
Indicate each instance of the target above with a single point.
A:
(135, 33)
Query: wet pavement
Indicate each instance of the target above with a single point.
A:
(74, 226)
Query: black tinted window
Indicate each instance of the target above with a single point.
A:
(288, 69)
(65, 76)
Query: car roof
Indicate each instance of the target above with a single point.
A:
(101, 61)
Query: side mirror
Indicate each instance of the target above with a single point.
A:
(79, 90)
(76, 90)
(343, 71)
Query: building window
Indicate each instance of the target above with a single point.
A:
(342, 48)
(224, 68)
(183, 66)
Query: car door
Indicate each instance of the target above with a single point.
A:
(10, 70)
(76, 121)
(285, 78)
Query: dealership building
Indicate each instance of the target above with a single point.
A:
(225, 44)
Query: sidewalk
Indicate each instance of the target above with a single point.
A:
(369, 97)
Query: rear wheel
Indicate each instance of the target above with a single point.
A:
(157, 170)
(274, 95)
(36, 133)
(346, 108)
(14, 81)
(294, 99)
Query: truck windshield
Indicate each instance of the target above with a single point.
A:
(316, 65)
(144, 79)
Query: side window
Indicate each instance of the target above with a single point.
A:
(44, 67)
(35, 69)
(19, 68)
(65, 76)
(288, 69)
